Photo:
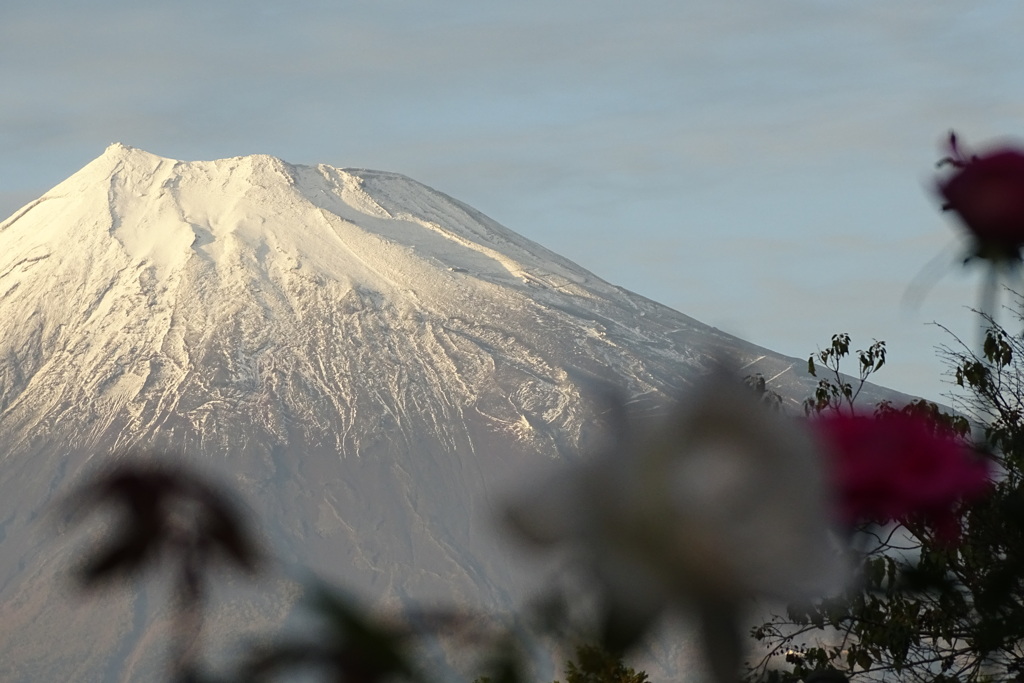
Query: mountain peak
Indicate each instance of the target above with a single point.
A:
(119, 149)
(381, 230)
(125, 159)
(365, 357)
(120, 153)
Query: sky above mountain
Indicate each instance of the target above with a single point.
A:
(765, 168)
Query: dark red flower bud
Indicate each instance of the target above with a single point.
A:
(987, 193)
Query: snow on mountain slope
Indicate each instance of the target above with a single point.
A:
(365, 359)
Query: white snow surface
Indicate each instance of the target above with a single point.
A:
(365, 359)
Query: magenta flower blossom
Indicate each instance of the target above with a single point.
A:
(987, 193)
(896, 467)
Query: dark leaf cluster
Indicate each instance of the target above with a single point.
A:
(836, 391)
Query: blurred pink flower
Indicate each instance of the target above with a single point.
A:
(987, 193)
(896, 466)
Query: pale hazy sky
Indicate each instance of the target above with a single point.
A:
(764, 167)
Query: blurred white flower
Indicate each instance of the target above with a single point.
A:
(722, 500)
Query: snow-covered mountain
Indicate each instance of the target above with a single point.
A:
(365, 359)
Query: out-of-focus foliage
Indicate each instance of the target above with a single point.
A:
(594, 664)
(769, 397)
(168, 513)
(165, 511)
(352, 646)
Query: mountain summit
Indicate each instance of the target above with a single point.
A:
(364, 358)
